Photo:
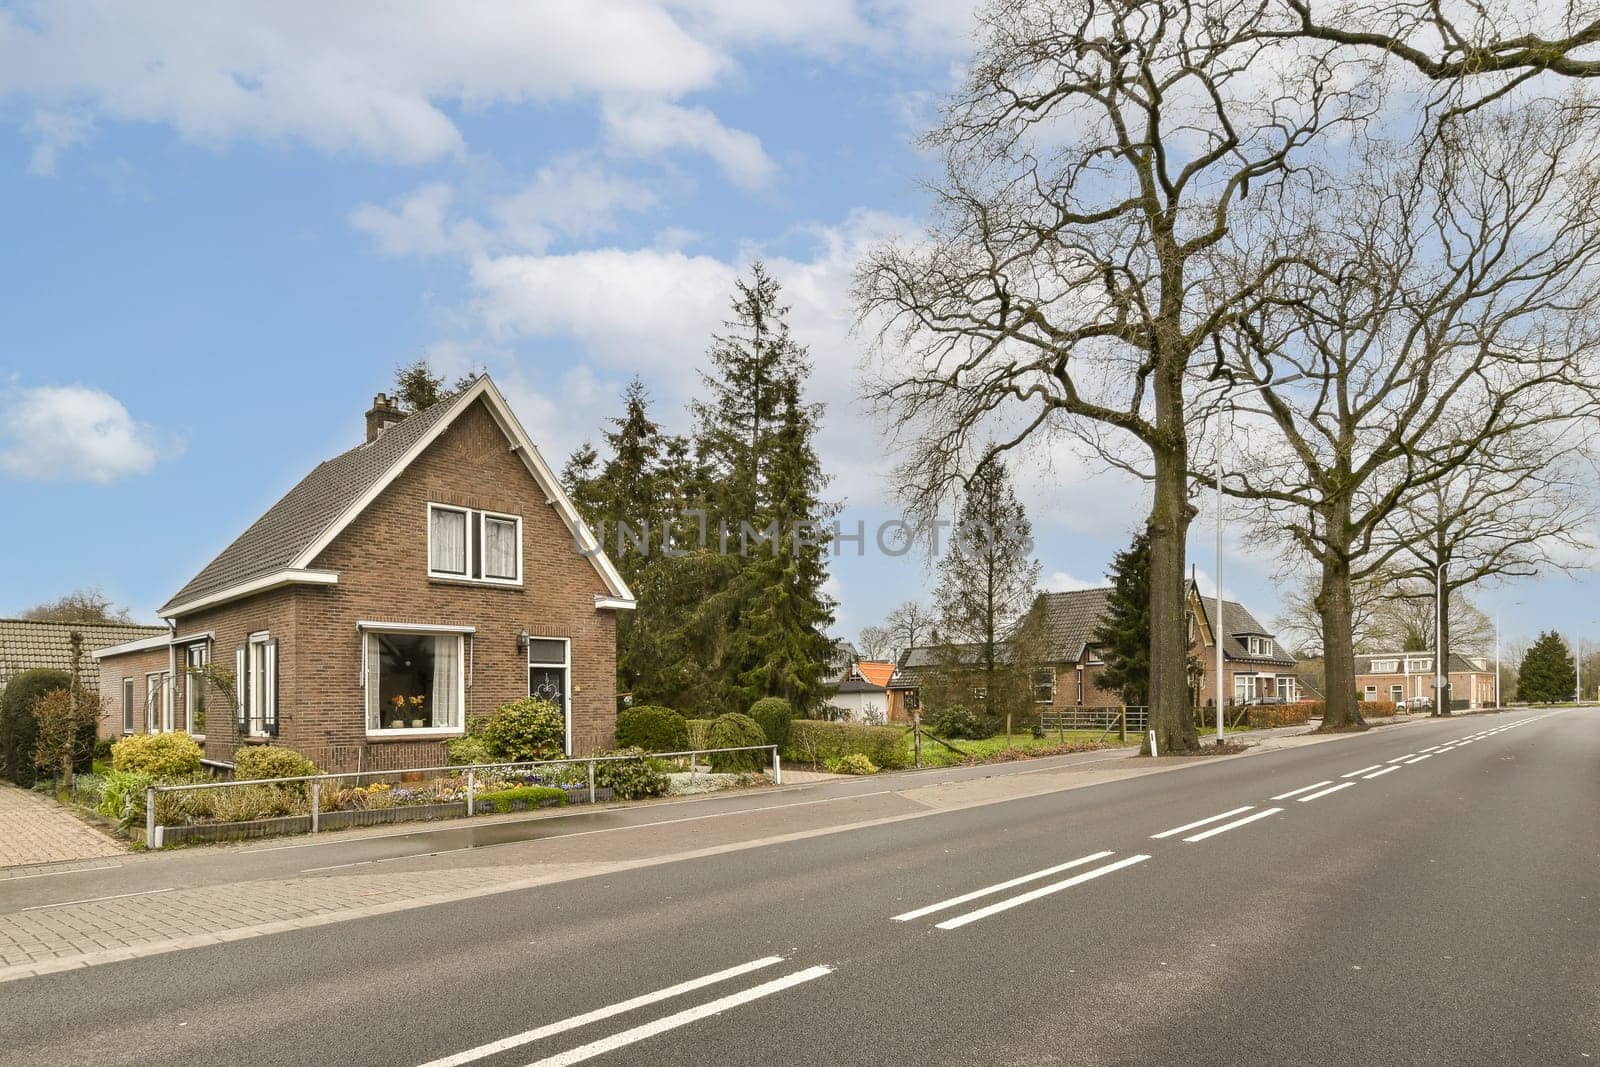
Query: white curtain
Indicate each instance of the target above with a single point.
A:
(449, 540)
(499, 548)
(446, 680)
(374, 705)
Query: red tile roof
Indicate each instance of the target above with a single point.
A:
(877, 672)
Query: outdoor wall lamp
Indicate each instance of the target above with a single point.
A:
(522, 640)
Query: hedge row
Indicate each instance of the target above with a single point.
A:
(816, 742)
(1267, 715)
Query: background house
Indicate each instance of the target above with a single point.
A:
(1256, 668)
(1407, 677)
(26, 644)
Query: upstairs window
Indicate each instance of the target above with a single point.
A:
(477, 546)
(1260, 646)
(1385, 666)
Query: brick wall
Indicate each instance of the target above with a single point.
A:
(135, 665)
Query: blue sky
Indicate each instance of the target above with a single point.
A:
(224, 225)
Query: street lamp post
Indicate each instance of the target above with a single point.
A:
(1441, 670)
(1216, 625)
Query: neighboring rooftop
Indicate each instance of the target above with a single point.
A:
(1459, 664)
(1237, 622)
(26, 644)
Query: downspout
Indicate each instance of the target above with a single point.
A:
(168, 696)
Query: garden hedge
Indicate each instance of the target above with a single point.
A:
(815, 742)
(161, 756)
(652, 728)
(774, 714)
(19, 733)
(736, 731)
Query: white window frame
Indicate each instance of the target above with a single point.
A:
(1260, 646)
(194, 683)
(1050, 684)
(1371, 692)
(160, 709)
(365, 630)
(566, 666)
(1244, 688)
(130, 697)
(475, 521)
(1419, 666)
(1397, 693)
(263, 684)
(1385, 666)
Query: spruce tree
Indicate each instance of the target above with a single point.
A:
(987, 582)
(417, 387)
(1547, 673)
(1124, 635)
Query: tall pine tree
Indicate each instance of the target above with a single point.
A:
(1547, 673)
(987, 582)
(1124, 634)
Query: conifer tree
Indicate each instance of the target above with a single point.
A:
(1124, 635)
(1547, 673)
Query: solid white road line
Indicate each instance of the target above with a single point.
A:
(1304, 789)
(1234, 825)
(1362, 771)
(1202, 822)
(93, 900)
(682, 1018)
(53, 874)
(998, 888)
(1419, 759)
(1379, 774)
(1035, 894)
(1325, 792)
(551, 1029)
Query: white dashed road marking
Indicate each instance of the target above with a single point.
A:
(1325, 792)
(1303, 789)
(998, 888)
(1363, 770)
(1199, 822)
(1379, 774)
(1042, 891)
(1234, 825)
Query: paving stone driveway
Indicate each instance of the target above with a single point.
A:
(34, 829)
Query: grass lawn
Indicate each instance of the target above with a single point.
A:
(936, 755)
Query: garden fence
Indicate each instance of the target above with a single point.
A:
(464, 785)
(1105, 719)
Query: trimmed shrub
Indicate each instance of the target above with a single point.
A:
(530, 796)
(855, 763)
(630, 779)
(271, 761)
(699, 732)
(774, 714)
(652, 728)
(19, 731)
(1378, 709)
(815, 742)
(736, 731)
(527, 729)
(469, 749)
(961, 724)
(158, 755)
(1269, 715)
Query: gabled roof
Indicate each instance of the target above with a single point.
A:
(1237, 622)
(1070, 620)
(878, 672)
(26, 643)
(1459, 664)
(858, 685)
(279, 547)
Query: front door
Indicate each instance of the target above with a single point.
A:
(549, 670)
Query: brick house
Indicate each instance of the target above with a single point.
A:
(1255, 666)
(1407, 677)
(423, 578)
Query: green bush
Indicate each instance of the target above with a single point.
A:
(815, 742)
(855, 763)
(469, 749)
(19, 732)
(532, 796)
(158, 755)
(271, 761)
(736, 731)
(122, 797)
(102, 749)
(1270, 715)
(699, 733)
(630, 779)
(652, 728)
(774, 714)
(527, 729)
(961, 723)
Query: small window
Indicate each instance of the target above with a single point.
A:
(261, 685)
(194, 689)
(1044, 686)
(129, 702)
(1260, 646)
(474, 545)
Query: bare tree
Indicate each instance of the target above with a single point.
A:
(89, 604)
(1523, 509)
(1093, 161)
(1446, 311)
(910, 625)
(874, 642)
(1403, 620)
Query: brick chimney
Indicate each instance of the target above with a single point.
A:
(384, 413)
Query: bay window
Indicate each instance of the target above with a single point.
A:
(476, 546)
(414, 680)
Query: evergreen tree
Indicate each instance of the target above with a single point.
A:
(417, 387)
(987, 582)
(1547, 673)
(1124, 635)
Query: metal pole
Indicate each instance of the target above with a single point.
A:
(472, 790)
(1216, 624)
(591, 781)
(777, 767)
(149, 816)
(1497, 661)
(316, 804)
(1438, 640)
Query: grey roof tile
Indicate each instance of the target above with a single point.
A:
(291, 525)
(1237, 623)
(26, 644)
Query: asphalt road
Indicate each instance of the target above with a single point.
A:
(1441, 912)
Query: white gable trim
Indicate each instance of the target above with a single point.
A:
(144, 644)
(523, 446)
(287, 576)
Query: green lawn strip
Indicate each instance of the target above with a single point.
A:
(936, 755)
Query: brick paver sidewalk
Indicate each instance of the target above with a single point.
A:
(34, 829)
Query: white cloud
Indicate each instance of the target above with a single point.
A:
(1062, 582)
(418, 225)
(53, 132)
(73, 433)
(652, 127)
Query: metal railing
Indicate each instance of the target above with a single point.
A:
(154, 832)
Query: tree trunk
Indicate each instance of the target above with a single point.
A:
(1169, 638)
(1336, 606)
(1441, 699)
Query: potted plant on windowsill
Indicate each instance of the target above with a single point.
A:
(417, 719)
